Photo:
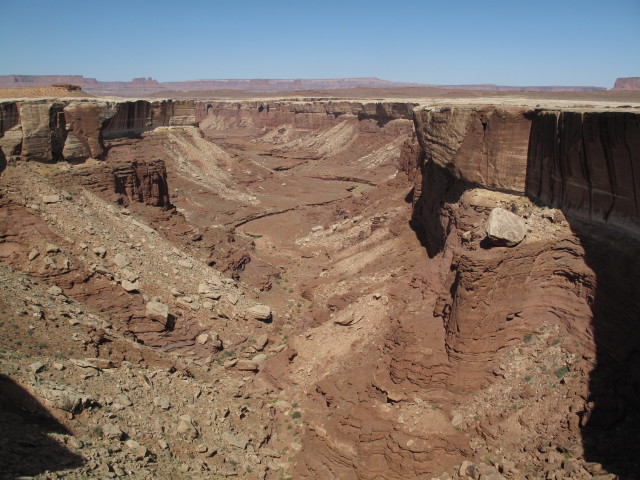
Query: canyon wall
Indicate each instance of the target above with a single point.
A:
(583, 162)
(576, 268)
(485, 146)
(270, 114)
(50, 131)
(587, 164)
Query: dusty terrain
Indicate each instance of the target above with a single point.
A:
(334, 307)
(51, 91)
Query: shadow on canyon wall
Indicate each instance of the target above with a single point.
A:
(587, 165)
(438, 190)
(610, 425)
(26, 446)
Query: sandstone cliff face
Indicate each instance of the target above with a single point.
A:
(85, 122)
(485, 146)
(301, 115)
(43, 130)
(587, 164)
(135, 117)
(574, 269)
(74, 130)
(10, 132)
(126, 182)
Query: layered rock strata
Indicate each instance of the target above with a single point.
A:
(585, 163)
(48, 131)
(300, 114)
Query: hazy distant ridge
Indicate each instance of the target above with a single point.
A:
(147, 86)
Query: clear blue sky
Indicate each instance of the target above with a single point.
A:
(514, 42)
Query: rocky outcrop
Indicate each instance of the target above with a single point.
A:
(575, 268)
(127, 182)
(135, 117)
(142, 182)
(84, 123)
(628, 83)
(43, 130)
(10, 132)
(584, 163)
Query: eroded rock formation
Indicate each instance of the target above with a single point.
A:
(583, 163)
(485, 146)
(401, 364)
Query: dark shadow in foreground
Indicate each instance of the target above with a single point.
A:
(611, 422)
(26, 449)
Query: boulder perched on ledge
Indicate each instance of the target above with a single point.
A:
(505, 229)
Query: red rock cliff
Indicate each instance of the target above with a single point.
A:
(300, 114)
(586, 163)
(48, 131)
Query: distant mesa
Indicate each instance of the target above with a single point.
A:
(628, 83)
(146, 86)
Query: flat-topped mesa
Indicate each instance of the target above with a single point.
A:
(627, 83)
(49, 131)
(586, 163)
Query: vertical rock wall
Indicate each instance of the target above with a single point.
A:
(484, 146)
(47, 131)
(587, 164)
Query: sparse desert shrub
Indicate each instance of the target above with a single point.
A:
(562, 371)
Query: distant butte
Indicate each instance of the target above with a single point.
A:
(628, 83)
(146, 86)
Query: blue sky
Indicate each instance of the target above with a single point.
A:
(560, 42)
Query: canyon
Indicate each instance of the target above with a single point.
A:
(298, 287)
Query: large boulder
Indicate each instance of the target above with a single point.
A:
(158, 312)
(259, 312)
(504, 228)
